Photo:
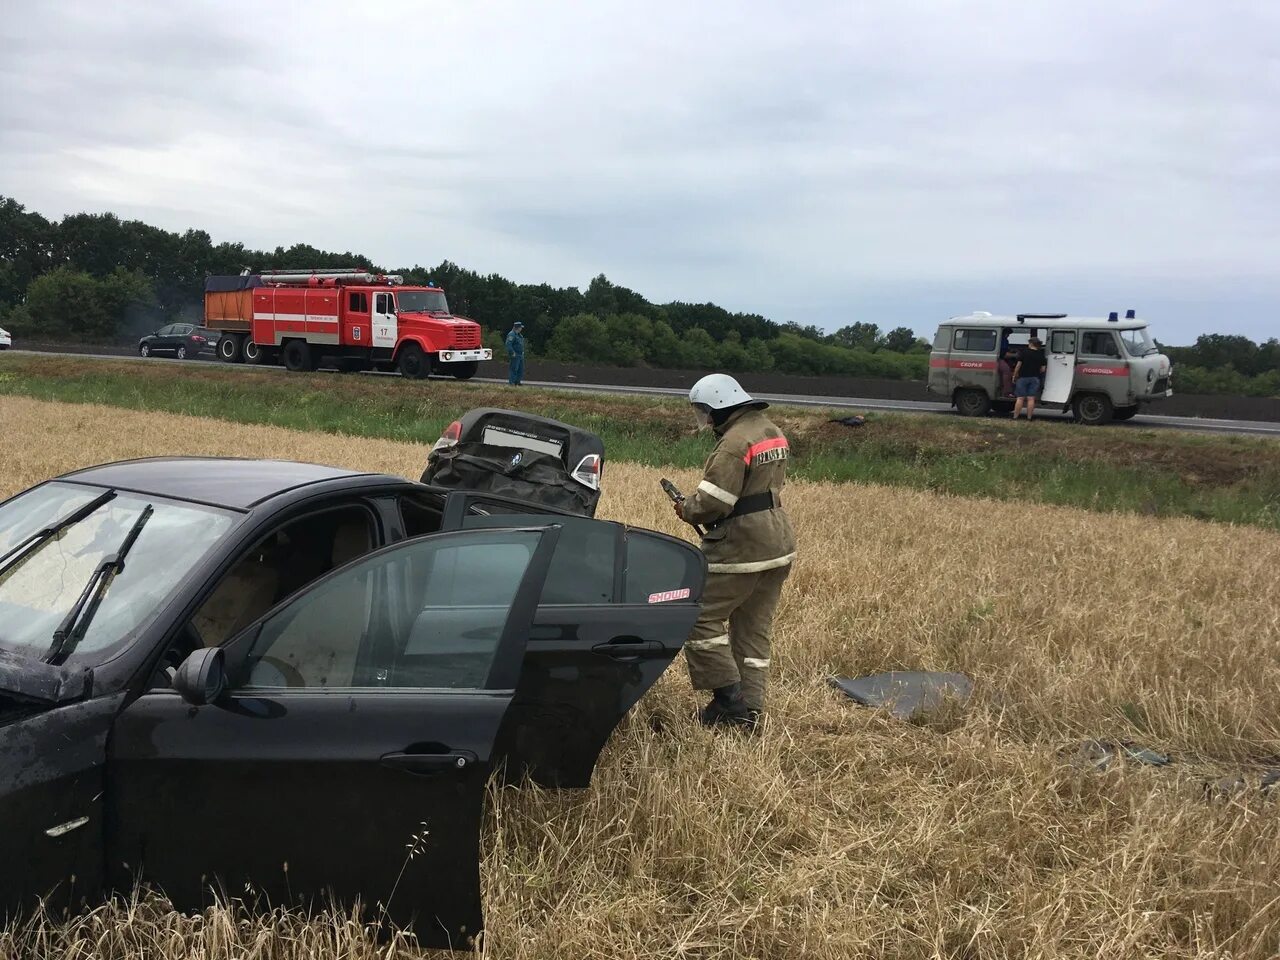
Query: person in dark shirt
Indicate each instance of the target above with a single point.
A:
(1028, 376)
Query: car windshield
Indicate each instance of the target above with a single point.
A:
(1138, 342)
(46, 580)
(421, 301)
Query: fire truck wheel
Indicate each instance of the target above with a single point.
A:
(972, 403)
(229, 349)
(464, 371)
(297, 356)
(252, 352)
(413, 363)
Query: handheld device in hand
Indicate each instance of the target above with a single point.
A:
(673, 492)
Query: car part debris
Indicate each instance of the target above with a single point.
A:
(857, 420)
(906, 693)
(1100, 754)
(531, 458)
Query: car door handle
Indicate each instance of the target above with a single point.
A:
(424, 764)
(627, 648)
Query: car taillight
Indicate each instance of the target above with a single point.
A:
(588, 471)
(452, 433)
(197, 339)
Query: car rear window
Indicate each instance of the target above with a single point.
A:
(585, 562)
(659, 570)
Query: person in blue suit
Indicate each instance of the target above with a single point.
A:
(515, 354)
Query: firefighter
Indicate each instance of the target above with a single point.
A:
(749, 546)
(515, 354)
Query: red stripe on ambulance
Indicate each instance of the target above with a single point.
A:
(962, 364)
(1095, 371)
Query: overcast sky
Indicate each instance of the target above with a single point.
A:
(893, 162)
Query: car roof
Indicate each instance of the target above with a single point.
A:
(1041, 320)
(218, 481)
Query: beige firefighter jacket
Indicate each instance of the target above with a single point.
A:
(750, 458)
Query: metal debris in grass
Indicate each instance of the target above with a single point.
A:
(906, 694)
(1101, 754)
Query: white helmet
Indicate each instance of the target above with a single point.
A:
(718, 391)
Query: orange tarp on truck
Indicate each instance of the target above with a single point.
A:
(228, 309)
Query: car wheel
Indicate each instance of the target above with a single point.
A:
(297, 356)
(182, 352)
(1124, 413)
(464, 371)
(1093, 409)
(230, 349)
(413, 363)
(144, 350)
(972, 403)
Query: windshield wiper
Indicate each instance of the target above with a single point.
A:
(29, 545)
(74, 625)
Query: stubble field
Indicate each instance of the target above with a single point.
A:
(841, 832)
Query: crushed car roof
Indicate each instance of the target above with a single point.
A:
(220, 481)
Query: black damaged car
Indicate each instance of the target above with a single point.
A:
(272, 676)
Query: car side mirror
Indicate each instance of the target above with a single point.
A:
(202, 676)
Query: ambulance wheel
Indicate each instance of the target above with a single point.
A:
(1124, 413)
(412, 363)
(229, 349)
(464, 371)
(252, 352)
(1093, 409)
(297, 356)
(972, 403)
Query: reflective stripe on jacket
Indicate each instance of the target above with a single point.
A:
(750, 458)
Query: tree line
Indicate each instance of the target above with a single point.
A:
(101, 279)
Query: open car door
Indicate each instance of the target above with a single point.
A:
(347, 757)
(616, 607)
(1060, 367)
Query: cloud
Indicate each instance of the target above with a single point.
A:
(834, 161)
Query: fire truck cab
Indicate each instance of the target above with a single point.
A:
(352, 318)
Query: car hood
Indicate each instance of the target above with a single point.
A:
(34, 681)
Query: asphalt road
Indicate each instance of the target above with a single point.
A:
(1140, 422)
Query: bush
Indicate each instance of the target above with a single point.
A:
(1225, 380)
(69, 304)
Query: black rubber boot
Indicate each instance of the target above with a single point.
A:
(727, 708)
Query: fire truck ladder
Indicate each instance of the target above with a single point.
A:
(317, 276)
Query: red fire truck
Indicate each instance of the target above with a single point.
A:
(353, 318)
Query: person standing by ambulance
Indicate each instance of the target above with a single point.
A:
(1028, 377)
(515, 354)
(749, 546)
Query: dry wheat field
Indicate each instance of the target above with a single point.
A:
(841, 832)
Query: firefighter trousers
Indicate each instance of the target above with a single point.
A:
(730, 642)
